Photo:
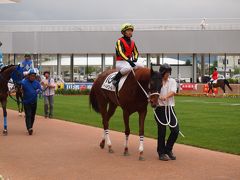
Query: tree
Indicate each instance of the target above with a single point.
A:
(236, 70)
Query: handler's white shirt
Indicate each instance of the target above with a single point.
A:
(169, 86)
(50, 91)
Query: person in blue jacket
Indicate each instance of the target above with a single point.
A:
(31, 88)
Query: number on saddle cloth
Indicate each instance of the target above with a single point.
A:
(108, 85)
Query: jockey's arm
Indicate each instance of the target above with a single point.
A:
(135, 53)
(120, 51)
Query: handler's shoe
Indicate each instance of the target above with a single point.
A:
(30, 131)
(163, 157)
(171, 155)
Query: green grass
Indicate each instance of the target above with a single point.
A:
(211, 123)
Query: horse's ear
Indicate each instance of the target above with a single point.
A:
(152, 70)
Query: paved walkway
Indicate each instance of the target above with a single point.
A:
(63, 150)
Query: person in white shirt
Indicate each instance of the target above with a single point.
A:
(166, 115)
(203, 24)
(48, 86)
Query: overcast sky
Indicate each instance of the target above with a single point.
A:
(119, 9)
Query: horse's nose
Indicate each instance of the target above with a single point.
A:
(152, 103)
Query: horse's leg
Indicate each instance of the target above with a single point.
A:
(18, 103)
(214, 95)
(209, 88)
(4, 105)
(224, 90)
(103, 114)
(109, 114)
(21, 103)
(127, 131)
(106, 115)
(142, 116)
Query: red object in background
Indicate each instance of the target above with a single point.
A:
(188, 86)
(83, 87)
(205, 89)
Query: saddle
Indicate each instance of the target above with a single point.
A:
(108, 85)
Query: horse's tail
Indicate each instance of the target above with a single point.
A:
(93, 99)
(227, 83)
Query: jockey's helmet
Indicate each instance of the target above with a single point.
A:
(165, 68)
(127, 26)
(32, 71)
(27, 55)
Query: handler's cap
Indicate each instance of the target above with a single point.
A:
(46, 72)
(165, 68)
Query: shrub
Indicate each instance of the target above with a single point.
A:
(72, 92)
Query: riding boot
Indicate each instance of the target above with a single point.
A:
(116, 79)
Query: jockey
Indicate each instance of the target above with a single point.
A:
(1, 57)
(126, 53)
(214, 76)
(27, 64)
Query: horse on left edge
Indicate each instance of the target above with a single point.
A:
(16, 73)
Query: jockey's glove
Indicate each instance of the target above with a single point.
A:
(131, 63)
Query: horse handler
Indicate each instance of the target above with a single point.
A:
(31, 88)
(165, 115)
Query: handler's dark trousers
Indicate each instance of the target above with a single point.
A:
(163, 147)
(30, 111)
(48, 101)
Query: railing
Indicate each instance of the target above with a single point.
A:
(114, 25)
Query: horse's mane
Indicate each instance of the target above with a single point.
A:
(6, 67)
(142, 74)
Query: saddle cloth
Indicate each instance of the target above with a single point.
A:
(108, 85)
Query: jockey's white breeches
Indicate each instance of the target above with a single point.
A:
(213, 81)
(124, 67)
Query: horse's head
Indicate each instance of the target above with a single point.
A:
(155, 88)
(17, 74)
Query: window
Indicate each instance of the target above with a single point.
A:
(65, 72)
(48, 63)
(109, 62)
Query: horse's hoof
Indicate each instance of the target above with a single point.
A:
(141, 158)
(126, 153)
(5, 132)
(102, 144)
(110, 151)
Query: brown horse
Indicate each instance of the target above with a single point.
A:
(220, 83)
(131, 98)
(19, 97)
(8, 72)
